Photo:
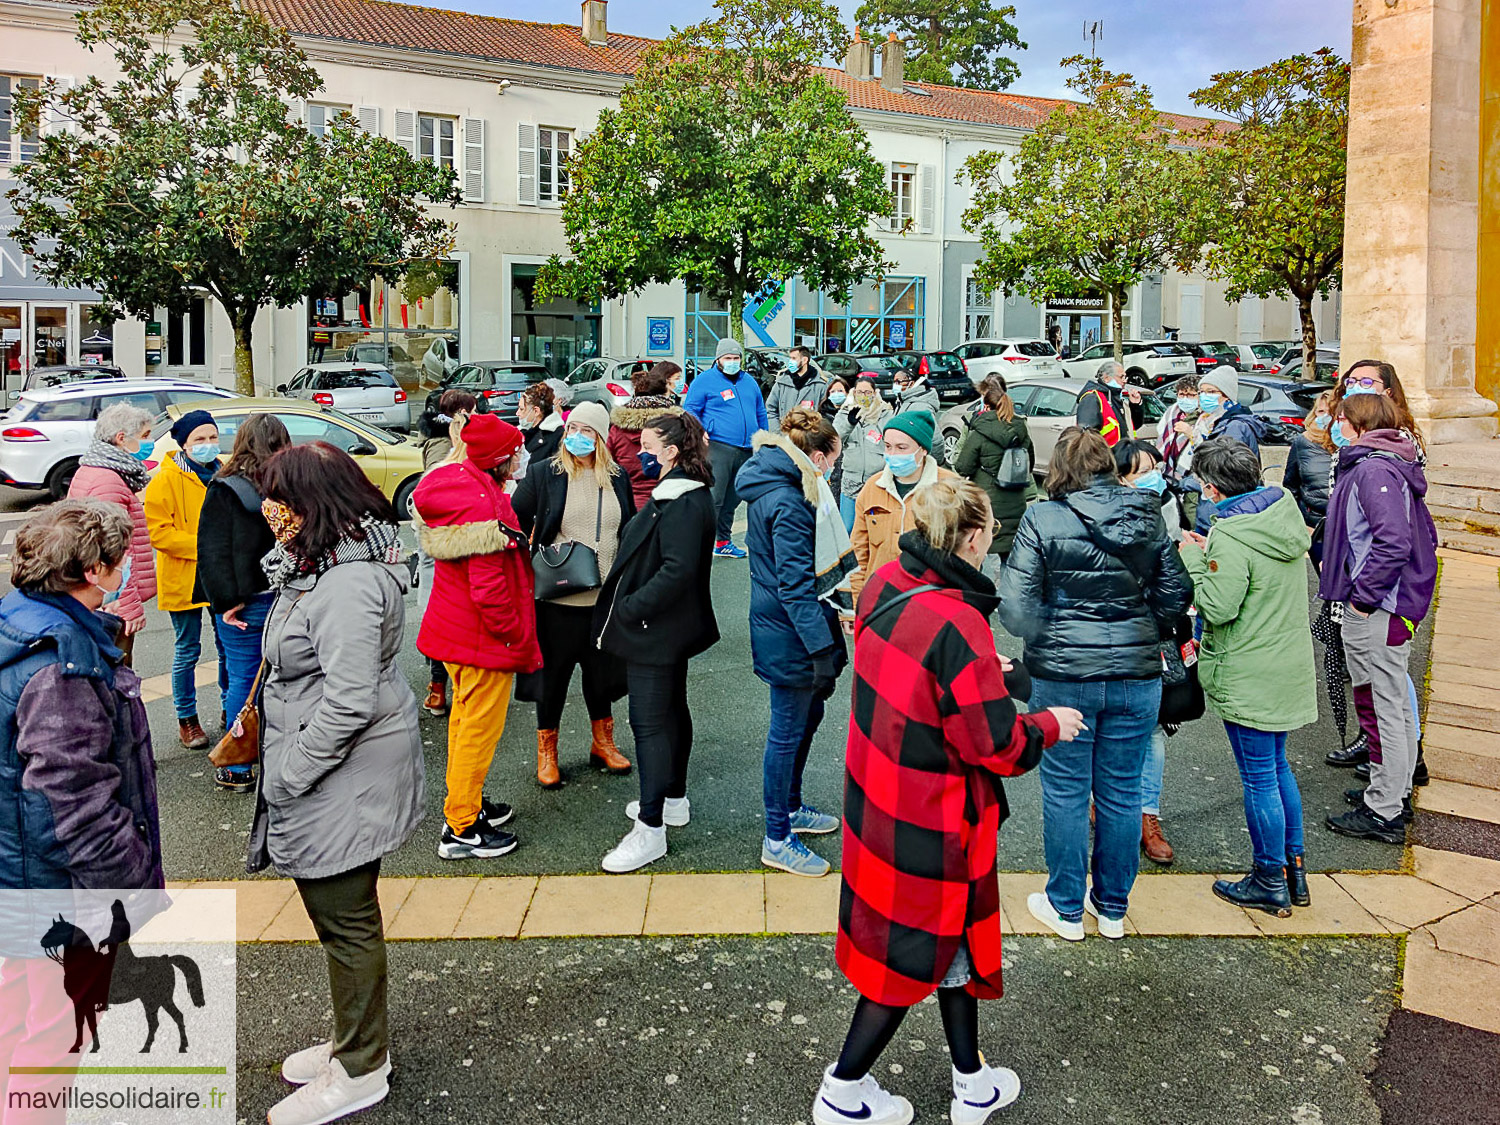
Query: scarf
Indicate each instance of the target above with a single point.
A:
(103, 455)
(374, 541)
(205, 473)
(833, 556)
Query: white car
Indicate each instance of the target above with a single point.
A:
(367, 391)
(1014, 357)
(440, 360)
(44, 434)
(1148, 363)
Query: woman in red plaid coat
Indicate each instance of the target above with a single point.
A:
(932, 731)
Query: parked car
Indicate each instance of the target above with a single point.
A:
(1281, 403)
(945, 373)
(1209, 354)
(1148, 363)
(44, 434)
(499, 382)
(1290, 367)
(1258, 356)
(850, 365)
(368, 392)
(440, 359)
(393, 464)
(1049, 406)
(62, 374)
(605, 381)
(1014, 357)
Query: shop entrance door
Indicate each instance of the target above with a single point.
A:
(12, 346)
(49, 335)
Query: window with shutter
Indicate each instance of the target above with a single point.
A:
(406, 130)
(436, 139)
(473, 180)
(554, 150)
(319, 116)
(526, 163)
(369, 119)
(16, 147)
(57, 120)
(903, 195)
(927, 214)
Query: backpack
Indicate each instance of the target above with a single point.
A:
(1014, 471)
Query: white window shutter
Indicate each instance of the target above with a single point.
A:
(893, 220)
(473, 180)
(526, 163)
(369, 119)
(927, 195)
(56, 119)
(406, 130)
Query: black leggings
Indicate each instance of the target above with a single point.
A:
(874, 1025)
(663, 729)
(566, 636)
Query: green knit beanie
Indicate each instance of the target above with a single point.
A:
(918, 425)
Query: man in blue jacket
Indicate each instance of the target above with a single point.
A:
(731, 409)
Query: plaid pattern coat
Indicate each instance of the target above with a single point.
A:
(931, 731)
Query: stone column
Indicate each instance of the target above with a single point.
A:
(1487, 377)
(1412, 208)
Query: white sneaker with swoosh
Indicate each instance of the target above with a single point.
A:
(976, 1096)
(858, 1103)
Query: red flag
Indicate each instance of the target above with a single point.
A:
(403, 315)
(364, 317)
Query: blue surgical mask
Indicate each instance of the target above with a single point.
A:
(1188, 405)
(579, 445)
(1152, 482)
(901, 464)
(729, 366)
(838, 398)
(1356, 389)
(650, 465)
(1208, 402)
(679, 385)
(1337, 434)
(112, 596)
(205, 452)
(147, 448)
(1321, 421)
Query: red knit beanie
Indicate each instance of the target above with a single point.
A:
(490, 441)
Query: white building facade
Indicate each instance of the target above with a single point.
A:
(505, 103)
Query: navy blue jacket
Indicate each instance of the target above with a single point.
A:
(1236, 422)
(77, 778)
(732, 420)
(788, 624)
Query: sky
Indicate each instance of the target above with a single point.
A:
(1173, 46)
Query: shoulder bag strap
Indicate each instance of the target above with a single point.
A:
(899, 598)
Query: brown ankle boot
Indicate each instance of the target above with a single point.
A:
(191, 732)
(604, 753)
(1153, 843)
(436, 703)
(548, 776)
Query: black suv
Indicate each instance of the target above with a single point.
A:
(496, 383)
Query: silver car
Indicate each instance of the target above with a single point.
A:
(366, 391)
(1049, 406)
(605, 381)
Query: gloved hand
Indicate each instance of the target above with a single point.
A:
(825, 673)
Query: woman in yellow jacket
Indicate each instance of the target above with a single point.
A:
(173, 500)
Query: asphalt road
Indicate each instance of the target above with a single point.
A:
(1146, 1032)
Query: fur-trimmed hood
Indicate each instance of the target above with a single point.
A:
(633, 414)
(805, 467)
(459, 512)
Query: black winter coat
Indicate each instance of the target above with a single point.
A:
(232, 539)
(1306, 477)
(656, 607)
(544, 440)
(543, 493)
(1067, 591)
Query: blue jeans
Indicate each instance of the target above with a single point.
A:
(1273, 804)
(241, 651)
(1105, 762)
(1153, 773)
(187, 649)
(795, 717)
(848, 509)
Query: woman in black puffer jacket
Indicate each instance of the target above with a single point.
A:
(1092, 584)
(1307, 462)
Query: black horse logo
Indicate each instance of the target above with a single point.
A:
(95, 978)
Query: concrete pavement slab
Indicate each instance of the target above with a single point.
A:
(1450, 985)
(1399, 901)
(588, 904)
(1473, 877)
(707, 904)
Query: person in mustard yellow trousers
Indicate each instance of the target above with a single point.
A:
(480, 622)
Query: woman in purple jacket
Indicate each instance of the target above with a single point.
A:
(1380, 563)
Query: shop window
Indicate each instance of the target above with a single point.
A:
(187, 336)
(96, 339)
(410, 327)
(17, 146)
(558, 333)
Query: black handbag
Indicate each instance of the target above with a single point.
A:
(569, 567)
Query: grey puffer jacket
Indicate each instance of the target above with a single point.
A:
(342, 782)
(1068, 592)
(919, 396)
(860, 432)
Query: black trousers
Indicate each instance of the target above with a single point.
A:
(345, 912)
(726, 461)
(663, 729)
(564, 632)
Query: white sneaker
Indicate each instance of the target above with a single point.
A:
(675, 813)
(329, 1096)
(302, 1067)
(840, 1103)
(1042, 910)
(641, 845)
(1112, 928)
(976, 1096)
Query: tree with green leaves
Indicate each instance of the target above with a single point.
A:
(1094, 199)
(1271, 197)
(950, 42)
(730, 164)
(187, 176)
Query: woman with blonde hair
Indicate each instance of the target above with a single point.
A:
(996, 454)
(579, 497)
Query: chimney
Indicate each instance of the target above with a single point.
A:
(595, 23)
(893, 65)
(859, 63)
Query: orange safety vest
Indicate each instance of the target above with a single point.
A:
(1110, 429)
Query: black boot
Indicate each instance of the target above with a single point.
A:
(1362, 771)
(1419, 775)
(1296, 881)
(1357, 753)
(1263, 889)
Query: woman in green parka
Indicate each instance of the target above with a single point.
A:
(984, 457)
(1256, 662)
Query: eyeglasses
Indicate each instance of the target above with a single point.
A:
(995, 530)
(1363, 381)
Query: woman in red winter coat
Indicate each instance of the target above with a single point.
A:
(933, 730)
(480, 622)
(654, 394)
(113, 468)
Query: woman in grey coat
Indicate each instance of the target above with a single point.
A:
(859, 424)
(341, 757)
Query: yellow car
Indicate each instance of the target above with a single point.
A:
(392, 463)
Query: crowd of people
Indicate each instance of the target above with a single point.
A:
(1145, 581)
